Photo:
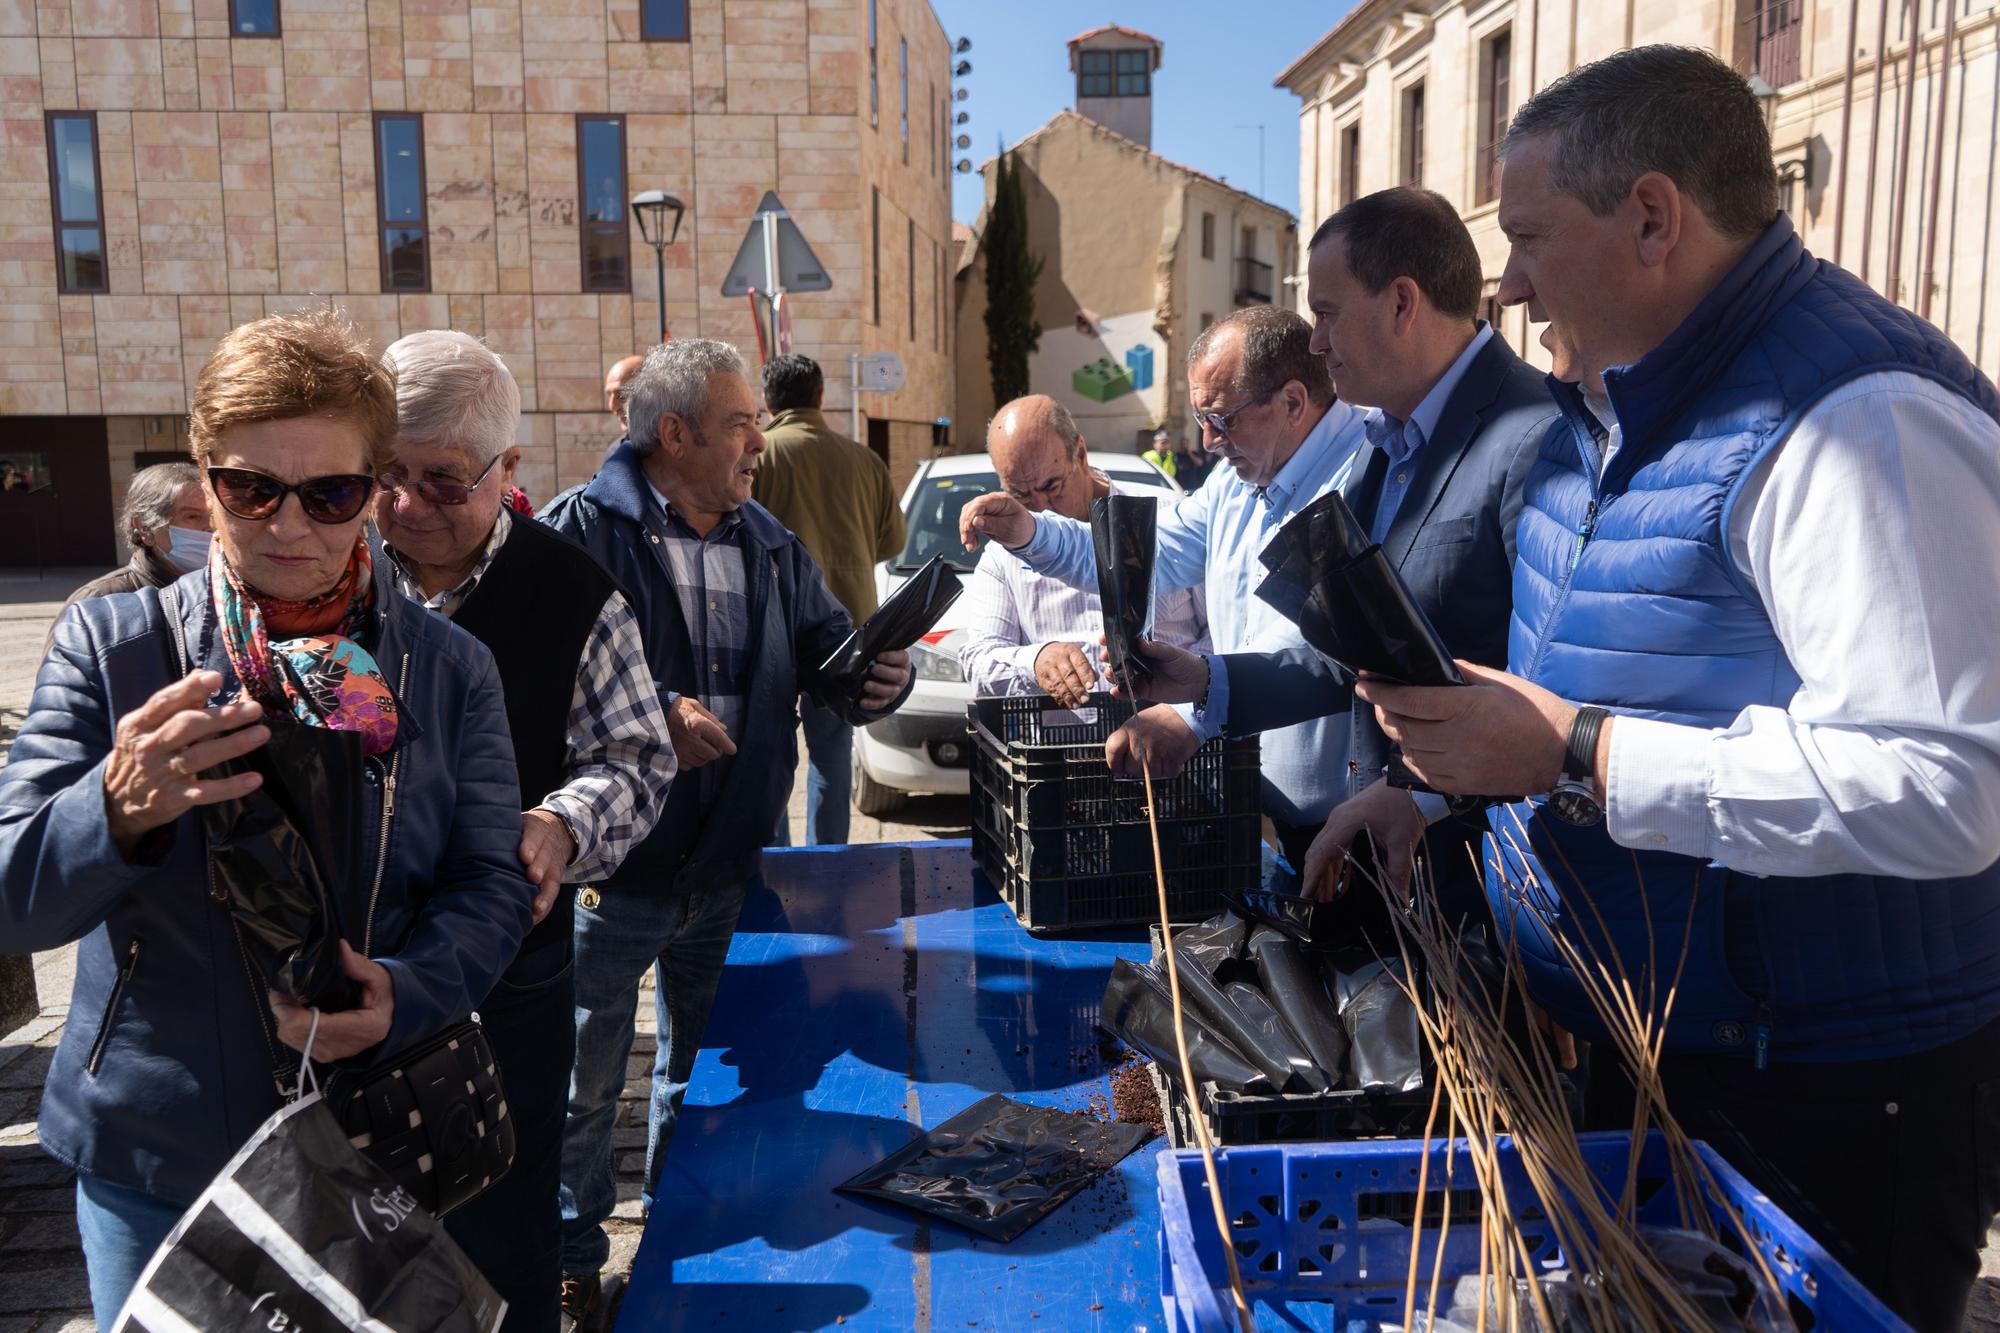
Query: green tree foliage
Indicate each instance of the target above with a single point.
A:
(1011, 273)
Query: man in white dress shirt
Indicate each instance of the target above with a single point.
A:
(1757, 604)
(1026, 631)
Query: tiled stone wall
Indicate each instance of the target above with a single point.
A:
(239, 179)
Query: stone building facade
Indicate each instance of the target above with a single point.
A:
(1139, 255)
(1886, 146)
(171, 168)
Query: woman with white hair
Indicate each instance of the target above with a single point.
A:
(590, 741)
(165, 522)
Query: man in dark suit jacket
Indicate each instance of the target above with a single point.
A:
(1393, 283)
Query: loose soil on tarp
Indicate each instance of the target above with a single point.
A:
(1134, 1099)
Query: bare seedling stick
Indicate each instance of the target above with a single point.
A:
(1201, 1139)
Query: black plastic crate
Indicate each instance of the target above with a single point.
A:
(1236, 1118)
(1067, 845)
(1290, 1117)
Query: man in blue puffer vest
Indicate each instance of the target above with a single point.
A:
(1751, 664)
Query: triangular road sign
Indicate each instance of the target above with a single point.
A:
(799, 270)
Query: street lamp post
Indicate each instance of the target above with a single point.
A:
(651, 208)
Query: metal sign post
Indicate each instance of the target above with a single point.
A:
(878, 372)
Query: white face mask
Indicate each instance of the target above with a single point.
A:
(187, 548)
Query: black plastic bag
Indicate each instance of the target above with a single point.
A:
(1296, 986)
(1724, 1285)
(1122, 531)
(1383, 1040)
(910, 612)
(1303, 920)
(1209, 957)
(1138, 1010)
(301, 1232)
(1348, 600)
(283, 855)
(999, 1166)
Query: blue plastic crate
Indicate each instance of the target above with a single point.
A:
(1322, 1232)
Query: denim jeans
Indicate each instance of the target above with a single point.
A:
(513, 1230)
(121, 1228)
(829, 778)
(684, 937)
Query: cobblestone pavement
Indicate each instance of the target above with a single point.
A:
(42, 1285)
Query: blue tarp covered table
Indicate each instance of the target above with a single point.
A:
(872, 993)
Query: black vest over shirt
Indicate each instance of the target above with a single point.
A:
(534, 609)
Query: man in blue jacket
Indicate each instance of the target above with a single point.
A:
(1752, 666)
(1393, 281)
(736, 621)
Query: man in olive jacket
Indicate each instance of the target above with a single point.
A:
(836, 496)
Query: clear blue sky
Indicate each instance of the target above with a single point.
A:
(1216, 66)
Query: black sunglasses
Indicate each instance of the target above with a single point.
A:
(436, 490)
(1221, 422)
(255, 496)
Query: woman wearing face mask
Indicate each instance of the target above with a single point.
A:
(165, 522)
(176, 1050)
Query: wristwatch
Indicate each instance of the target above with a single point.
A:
(1574, 798)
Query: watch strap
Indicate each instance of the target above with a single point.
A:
(1580, 755)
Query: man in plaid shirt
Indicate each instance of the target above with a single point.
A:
(590, 742)
(736, 621)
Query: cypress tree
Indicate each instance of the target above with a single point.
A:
(1011, 273)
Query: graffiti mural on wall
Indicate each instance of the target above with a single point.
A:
(1107, 371)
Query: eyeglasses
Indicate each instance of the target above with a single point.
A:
(255, 496)
(438, 492)
(1220, 422)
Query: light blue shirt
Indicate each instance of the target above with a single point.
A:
(1403, 441)
(1213, 538)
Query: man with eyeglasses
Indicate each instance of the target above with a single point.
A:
(590, 744)
(1457, 421)
(1024, 630)
(1267, 409)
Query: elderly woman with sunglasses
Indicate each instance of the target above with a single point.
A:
(175, 1051)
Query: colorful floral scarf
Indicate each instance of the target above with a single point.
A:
(315, 671)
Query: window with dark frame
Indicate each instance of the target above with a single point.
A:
(874, 82)
(1093, 74)
(255, 18)
(400, 206)
(76, 195)
(1350, 163)
(663, 20)
(1134, 73)
(875, 250)
(1208, 235)
(1495, 99)
(603, 230)
(910, 267)
(1413, 135)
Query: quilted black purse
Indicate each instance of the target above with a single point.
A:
(434, 1117)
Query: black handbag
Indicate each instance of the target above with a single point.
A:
(433, 1116)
